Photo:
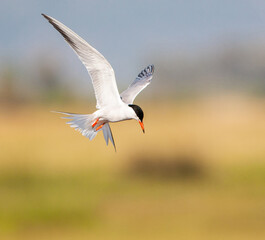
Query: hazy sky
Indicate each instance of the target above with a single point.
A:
(127, 33)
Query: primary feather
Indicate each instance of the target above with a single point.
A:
(142, 81)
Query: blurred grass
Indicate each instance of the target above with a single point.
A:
(56, 184)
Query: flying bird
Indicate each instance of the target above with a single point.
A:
(111, 106)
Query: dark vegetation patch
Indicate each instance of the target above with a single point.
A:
(178, 167)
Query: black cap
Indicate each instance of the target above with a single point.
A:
(138, 111)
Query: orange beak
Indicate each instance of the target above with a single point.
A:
(142, 126)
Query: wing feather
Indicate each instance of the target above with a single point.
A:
(142, 81)
(99, 69)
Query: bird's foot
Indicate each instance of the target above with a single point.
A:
(95, 123)
(99, 127)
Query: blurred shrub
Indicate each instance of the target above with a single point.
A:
(179, 167)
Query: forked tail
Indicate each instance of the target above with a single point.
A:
(108, 134)
(83, 123)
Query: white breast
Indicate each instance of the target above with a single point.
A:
(116, 113)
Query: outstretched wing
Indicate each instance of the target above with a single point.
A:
(143, 79)
(99, 69)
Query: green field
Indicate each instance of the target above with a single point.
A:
(197, 173)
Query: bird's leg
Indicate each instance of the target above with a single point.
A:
(99, 127)
(95, 123)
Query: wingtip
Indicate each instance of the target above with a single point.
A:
(152, 66)
(46, 16)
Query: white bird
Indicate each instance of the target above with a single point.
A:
(112, 106)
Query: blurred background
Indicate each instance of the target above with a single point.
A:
(197, 173)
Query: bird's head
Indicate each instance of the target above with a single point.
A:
(139, 114)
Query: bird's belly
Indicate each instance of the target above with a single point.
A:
(115, 116)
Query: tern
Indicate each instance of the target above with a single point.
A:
(111, 106)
